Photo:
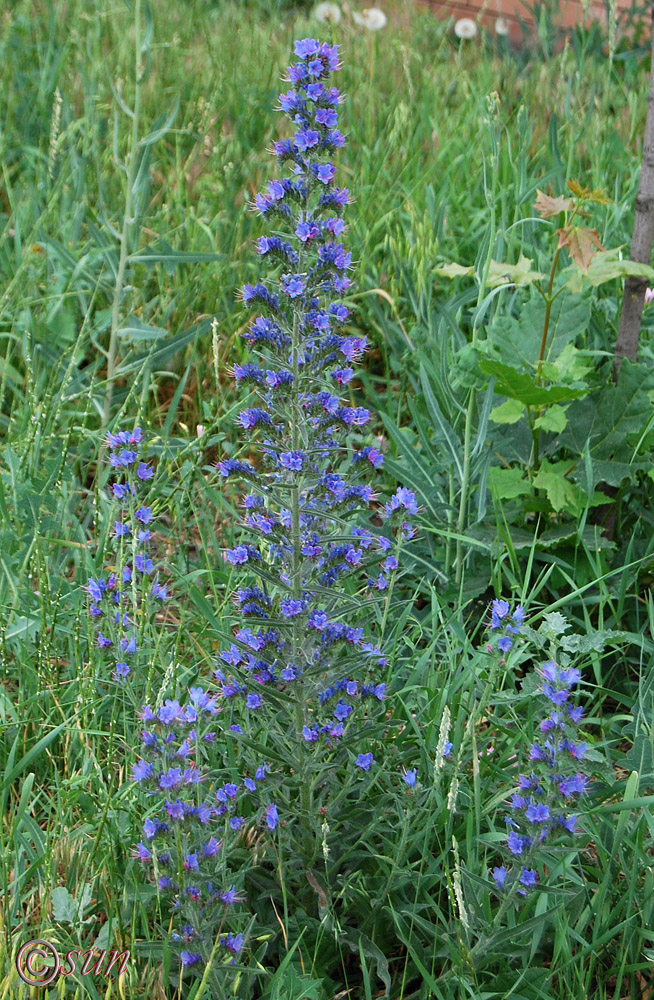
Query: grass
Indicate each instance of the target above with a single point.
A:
(141, 226)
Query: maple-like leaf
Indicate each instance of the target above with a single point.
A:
(598, 195)
(582, 244)
(547, 206)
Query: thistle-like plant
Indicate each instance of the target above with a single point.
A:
(302, 668)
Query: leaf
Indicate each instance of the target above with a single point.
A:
(160, 126)
(554, 419)
(597, 195)
(519, 338)
(571, 366)
(506, 484)
(136, 330)
(162, 253)
(582, 244)
(455, 270)
(509, 412)
(515, 274)
(518, 385)
(547, 206)
(498, 272)
(554, 624)
(606, 265)
(66, 909)
(560, 492)
(613, 421)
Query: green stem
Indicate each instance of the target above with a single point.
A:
(472, 398)
(127, 222)
(549, 299)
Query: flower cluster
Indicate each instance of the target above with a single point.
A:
(307, 541)
(184, 836)
(543, 803)
(117, 601)
(506, 623)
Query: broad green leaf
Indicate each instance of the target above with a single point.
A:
(519, 338)
(518, 385)
(572, 365)
(613, 422)
(506, 484)
(560, 492)
(605, 266)
(553, 419)
(509, 412)
(554, 624)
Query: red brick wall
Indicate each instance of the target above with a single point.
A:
(571, 11)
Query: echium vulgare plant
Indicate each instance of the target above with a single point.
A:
(122, 602)
(301, 668)
(195, 817)
(542, 807)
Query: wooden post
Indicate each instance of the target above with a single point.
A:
(626, 345)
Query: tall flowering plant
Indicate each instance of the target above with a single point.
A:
(301, 666)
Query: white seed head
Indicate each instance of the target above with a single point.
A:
(371, 18)
(501, 26)
(465, 28)
(327, 13)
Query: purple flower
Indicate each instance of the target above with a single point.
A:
(233, 943)
(410, 777)
(142, 770)
(500, 874)
(271, 816)
(528, 877)
(364, 760)
(190, 958)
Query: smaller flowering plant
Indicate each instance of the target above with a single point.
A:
(195, 815)
(543, 805)
(506, 624)
(121, 602)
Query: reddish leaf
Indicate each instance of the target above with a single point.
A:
(582, 244)
(546, 206)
